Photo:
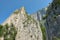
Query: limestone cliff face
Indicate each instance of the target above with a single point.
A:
(27, 27)
(39, 14)
(53, 21)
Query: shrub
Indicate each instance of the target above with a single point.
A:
(8, 32)
(43, 31)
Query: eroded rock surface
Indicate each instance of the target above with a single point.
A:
(27, 27)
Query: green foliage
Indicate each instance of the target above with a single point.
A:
(45, 17)
(57, 2)
(8, 32)
(55, 15)
(29, 18)
(43, 31)
(16, 12)
(11, 31)
(1, 31)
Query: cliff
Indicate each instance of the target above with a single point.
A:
(27, 27)
(53, 21)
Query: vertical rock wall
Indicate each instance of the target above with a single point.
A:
(53, 21)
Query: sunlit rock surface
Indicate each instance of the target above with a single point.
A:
(27, 27)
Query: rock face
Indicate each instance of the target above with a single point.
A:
(27, 27)
(39, 14)
(53, 21)
(1, 38)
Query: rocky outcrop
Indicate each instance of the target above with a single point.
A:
(27, 27)
(40, 17)
(39, 14)
(1, 38)
(53, 21)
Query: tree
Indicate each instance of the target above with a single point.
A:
(1, 31)
(10, 32)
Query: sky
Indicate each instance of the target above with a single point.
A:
(7, 7)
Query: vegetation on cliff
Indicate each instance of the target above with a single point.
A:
(52, 20)
(43, 29)
(8, 32)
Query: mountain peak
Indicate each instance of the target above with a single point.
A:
(22, 10)
(22, 7)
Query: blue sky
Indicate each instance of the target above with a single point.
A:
(9, 6)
